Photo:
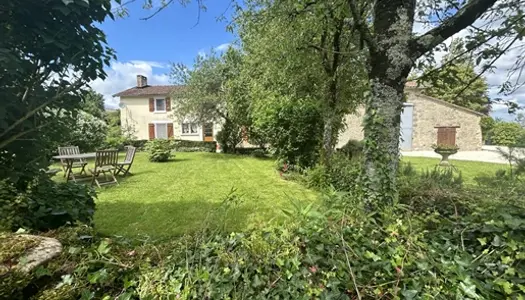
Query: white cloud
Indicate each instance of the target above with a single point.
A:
(123, 75)
(154, 64)
(222, 47)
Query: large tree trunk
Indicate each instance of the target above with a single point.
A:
(381, 149)
(390, 65)
(327, 141)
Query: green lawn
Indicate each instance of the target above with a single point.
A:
(180, 196)
(186, 193)
(469, 169)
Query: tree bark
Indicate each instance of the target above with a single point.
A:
(381, 149)
(327, 141)
(390, 66)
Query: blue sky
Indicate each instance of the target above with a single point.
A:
(176, 34)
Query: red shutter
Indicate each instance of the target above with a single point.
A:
(170, 130)
(446, 136)
(451, 136)
(151, 104)
(151, 130)
(168, 104)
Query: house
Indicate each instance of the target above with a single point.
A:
(146, 111)
(426, 121)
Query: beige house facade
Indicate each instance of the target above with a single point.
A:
(145, 110)
(426, 121)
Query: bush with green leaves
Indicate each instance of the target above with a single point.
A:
(259, 153)
(159, 150)
(292, 128)
(194, 146)
(88, 133)
(507, 134)
(343, 174)
(45, 205)
(229, 136)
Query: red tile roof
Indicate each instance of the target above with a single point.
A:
(148, 90)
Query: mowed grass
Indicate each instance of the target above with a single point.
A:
(196, 190)
(469, 169)
(185, 194)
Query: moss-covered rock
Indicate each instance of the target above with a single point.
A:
(19, 255)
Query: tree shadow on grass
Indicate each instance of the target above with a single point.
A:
(161, 220)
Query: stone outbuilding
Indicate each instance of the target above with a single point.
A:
(426, 121)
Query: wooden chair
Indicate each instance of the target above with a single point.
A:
(105, 163)
(125, 165)
(71, 150)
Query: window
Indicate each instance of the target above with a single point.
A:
(160, 105)
(189, 128)
(446, 136)
(161, 130)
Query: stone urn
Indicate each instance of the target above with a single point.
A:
(445, 153)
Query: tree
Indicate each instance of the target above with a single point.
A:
(94, 104)
(303, 57)
(50, 50)
(386, 29)
(207, 94)
(487, 124)
(520, 119)
(457, 81)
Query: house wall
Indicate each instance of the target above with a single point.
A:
(353, 128)
(428, 114)
(134, 113)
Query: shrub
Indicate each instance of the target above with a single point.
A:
(487, 124)
(258, 153)
(317, 177)
(249, 151)
(192, 149)
(343, 174)
(353, 148)
(193, 146)
(159, 150)
(292, 128)
(46, 205)
(229, 136)
(88, 133)
(507, 134)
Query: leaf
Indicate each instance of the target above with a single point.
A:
(409, 294)
(372, 256)
(67, 2)
(103, 248)
(507, 286)
(496, 242)
(482, 241)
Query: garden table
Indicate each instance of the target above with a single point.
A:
(70, 159)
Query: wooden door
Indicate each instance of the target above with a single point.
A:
(207, 132)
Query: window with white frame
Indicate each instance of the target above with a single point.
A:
(189, 128)
(161, 130)
(160, 105)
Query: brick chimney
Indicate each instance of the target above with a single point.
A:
(142, 81)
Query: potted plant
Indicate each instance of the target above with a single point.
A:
(445, 151)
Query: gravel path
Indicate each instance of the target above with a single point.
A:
(488, 154)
